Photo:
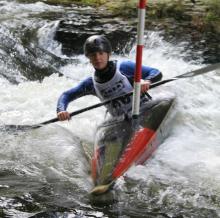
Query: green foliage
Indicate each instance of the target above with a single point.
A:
(213, 10)
(166, 8)
(122, 7)
(91, 2)
(156, 8)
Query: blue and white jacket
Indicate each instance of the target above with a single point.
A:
(87, 86)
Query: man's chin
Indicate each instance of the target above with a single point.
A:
(99, 67)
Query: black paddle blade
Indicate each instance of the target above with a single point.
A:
(200, 71)
(187, 75)
(8, 128)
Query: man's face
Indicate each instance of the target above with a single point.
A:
(99, 59)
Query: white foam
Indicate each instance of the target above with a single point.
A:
(190, 153)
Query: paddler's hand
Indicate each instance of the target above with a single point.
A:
(63, 115)
(145, 85)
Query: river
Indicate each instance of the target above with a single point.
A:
(45, 173)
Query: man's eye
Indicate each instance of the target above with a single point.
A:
(92, 55)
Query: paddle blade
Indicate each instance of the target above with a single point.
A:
(200, 71)
(8, 128)
(188, 75)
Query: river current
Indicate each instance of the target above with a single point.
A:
(45, 173)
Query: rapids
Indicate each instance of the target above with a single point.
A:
(45, 173)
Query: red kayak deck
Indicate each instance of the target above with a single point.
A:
(118, 146)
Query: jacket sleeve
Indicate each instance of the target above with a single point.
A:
(84, 88)
(148, 73)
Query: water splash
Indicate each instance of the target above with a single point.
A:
(182, 177)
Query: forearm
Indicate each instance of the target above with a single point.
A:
(63, 102)
(84, 88)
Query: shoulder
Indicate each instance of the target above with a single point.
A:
(126, 64)
(87, 84)
(84, 86)
(126, 67)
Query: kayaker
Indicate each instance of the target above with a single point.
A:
(110, 79)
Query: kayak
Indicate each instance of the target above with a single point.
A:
(118, 146)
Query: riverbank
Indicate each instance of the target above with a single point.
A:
(198, 23)
(203, 15)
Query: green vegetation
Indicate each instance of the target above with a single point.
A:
(202, 13)
(84, 2)
(167, 8)
(125, 8)
(213, 10)
(212, 17)
(156, 8)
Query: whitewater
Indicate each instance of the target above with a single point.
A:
(48, 167)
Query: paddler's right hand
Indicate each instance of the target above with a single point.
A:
(63, 115)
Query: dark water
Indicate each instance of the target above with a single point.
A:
(45, 173)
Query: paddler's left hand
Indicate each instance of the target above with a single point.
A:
(145, 85)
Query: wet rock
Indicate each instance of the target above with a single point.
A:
(73, 31)
(83, 22)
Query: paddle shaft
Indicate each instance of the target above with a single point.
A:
(153, 85)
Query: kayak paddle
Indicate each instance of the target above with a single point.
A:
(153, 85)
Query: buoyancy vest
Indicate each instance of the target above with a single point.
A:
(118, 85)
